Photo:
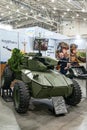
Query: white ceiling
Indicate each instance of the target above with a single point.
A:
(43, 13)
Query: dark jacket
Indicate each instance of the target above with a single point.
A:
(63, 64)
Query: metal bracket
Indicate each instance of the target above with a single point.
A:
(59, 105)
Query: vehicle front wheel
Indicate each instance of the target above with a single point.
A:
(21, 97)
(76, 95)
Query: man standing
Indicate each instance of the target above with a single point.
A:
(63, 63)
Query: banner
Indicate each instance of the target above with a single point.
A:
(73, 49)
(62, 47)
(8, 41)
(51, 48)
(78, 50)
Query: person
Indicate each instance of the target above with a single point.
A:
(63, 47)
(63, 63)
(73, 55)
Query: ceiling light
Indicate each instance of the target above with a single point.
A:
(2, 14)
(55, 8)
(68, 9)
(52, 0)
(54, 12)
(43, 7)
(17, 10)
(18, 15)
(11, 2)
(83, 10)
(11, 17)
(69, 1)
(7, 7)
(39, 14)
(22, 7)
(26, 13)
(73, 17)
(26, 17)
(62, 16)
(77, 15)
(84, 19)
(31, 11)
(65, 13)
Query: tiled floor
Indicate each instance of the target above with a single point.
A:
(40, 118)
(7, 118)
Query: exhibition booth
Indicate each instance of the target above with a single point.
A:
(27, 41)
(52, 38)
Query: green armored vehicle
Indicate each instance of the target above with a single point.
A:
(32, 75)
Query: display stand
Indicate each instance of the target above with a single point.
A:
(59, 105)
(6, 94)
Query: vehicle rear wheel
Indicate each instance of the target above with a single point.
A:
(21, 97)
(76, 95)
(6, 78)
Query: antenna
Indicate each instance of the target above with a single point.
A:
(24, 43)
(39, 44)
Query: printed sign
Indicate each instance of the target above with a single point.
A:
(8, 41)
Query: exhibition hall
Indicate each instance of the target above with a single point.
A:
(43, 65)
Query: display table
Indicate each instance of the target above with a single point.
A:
(2, 66)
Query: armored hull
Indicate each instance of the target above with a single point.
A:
(32, 75)
(47, 84)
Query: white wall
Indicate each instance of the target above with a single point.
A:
(81, 42)
(11, 40)
(7, 39)
(74, 28)
(27, 40)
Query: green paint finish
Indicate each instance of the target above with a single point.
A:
(39, 75)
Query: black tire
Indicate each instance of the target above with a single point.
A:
(21, 97)
(6, 78)
(76, 95)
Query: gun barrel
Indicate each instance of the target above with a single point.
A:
(7, 48)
